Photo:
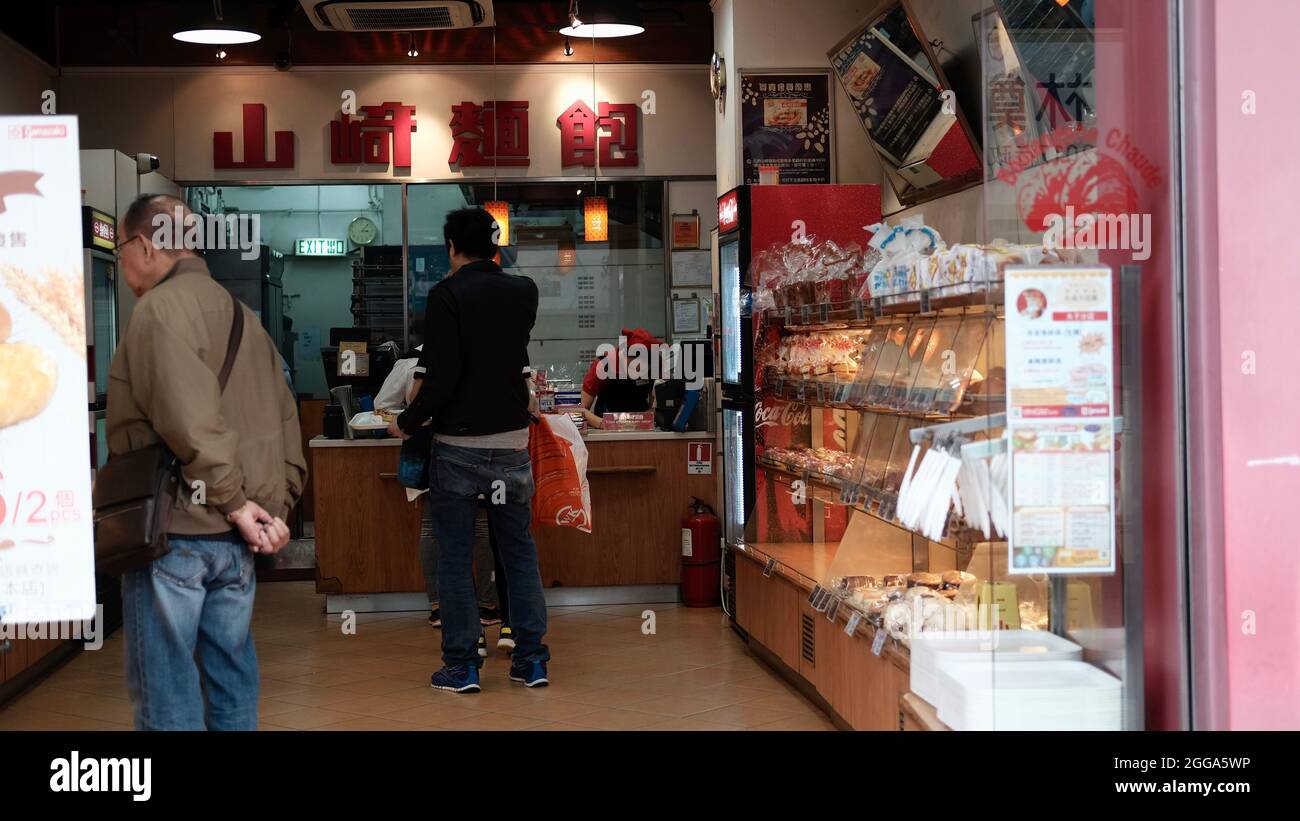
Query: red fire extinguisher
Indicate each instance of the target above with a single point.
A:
(701, 556)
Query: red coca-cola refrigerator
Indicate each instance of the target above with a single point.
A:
(752, 219)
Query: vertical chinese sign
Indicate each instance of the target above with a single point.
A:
(368, 140)
(1061, 419)
(786, 123)
(46, 552)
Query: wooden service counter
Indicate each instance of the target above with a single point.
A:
(859, 689)
(367, 533)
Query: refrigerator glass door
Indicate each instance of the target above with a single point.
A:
(731, 295)
(733, 450)
(105, 330)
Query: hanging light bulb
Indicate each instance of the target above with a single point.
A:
(568, 47)
(411, 52)
(221, 54)
(500, 211)
(595, 216)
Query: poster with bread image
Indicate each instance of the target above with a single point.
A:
(46, 550)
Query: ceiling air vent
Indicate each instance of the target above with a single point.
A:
(388, 15)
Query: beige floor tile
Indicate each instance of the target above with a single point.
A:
(801, 722)
(614, 718)
(743, 715)
(307, 718)
(315, 696)
(678, 706)
(607, 698)
(432, 714)
(46, 720)
(491, 721)
(561, 726)
(551, 710)
(374, 705)
(332, 678)
(373, 724)
(690, 723)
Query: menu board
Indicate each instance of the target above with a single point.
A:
(1060, 419)
(893, 98)
(786, 120)
(47, 560)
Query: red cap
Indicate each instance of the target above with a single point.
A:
(593, 382)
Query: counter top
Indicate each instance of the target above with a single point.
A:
(591, 436)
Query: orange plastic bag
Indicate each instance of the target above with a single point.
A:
(561, 495)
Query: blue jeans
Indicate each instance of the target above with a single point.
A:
(186, 621)
(456, 479)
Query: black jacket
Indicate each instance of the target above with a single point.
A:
(476, 329)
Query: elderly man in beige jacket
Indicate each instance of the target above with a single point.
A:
(187, 615)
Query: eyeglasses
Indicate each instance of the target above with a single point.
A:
(117, 250)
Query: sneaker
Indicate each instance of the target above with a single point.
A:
(506, 641)
(482, 645)
(435, 618)
(488, 616)
(531, 673)
(462, 679)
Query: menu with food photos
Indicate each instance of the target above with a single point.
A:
(47, 561)
(1061, 419)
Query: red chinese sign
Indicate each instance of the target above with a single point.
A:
(495, 133)
(367, 140)
(580, 135)
(223, 143)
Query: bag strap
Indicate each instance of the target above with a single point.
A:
(232, 346)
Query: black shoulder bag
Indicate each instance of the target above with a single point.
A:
(134, 492)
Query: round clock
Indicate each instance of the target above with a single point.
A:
(362, 231)
(718, 78)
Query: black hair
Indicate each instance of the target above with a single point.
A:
(471, 230)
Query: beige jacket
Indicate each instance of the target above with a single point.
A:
(241, 444)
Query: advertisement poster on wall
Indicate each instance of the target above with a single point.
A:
(46, 550)
(786, 122)
(1061, 419)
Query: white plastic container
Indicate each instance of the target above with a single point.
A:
(1049, 695)
(930, 652)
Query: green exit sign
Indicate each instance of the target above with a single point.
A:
(320, 247)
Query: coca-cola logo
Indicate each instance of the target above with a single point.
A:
(785, 414)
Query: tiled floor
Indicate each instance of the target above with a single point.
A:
(693, 673)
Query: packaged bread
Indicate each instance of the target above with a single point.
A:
(931, 580)
(954, 579)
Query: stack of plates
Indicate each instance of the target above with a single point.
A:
(930, 652)
(1045, 695)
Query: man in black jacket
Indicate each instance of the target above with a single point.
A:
(475, 356)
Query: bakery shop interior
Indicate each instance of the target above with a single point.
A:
(978, 439)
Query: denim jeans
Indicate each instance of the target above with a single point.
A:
(483, 561)
(186, 624)
(457, 477)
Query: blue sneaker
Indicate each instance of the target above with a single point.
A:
(531, 673)
(463, 679)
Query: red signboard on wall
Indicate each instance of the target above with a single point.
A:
(223, 144)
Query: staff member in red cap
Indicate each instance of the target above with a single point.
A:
(613, 387)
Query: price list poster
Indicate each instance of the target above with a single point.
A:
(1060, 419)
(46, 551)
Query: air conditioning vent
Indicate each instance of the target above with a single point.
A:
(398, 15)
(808, 639)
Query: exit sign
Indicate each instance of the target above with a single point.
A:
(318, 247)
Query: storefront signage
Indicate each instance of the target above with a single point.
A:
(493, 134)
(1061, 419)
(786, 125)
(728, 212)
(321, 247)
(368, 140)
(47, 564)
(223, 144)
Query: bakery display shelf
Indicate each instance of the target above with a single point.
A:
(803, 563)
(861, 313)
(820, 393)
(873, 501)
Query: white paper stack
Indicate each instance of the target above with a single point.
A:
(1013, 695)
(931, 652)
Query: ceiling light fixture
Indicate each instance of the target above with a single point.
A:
(603, 18)
(568, 47)
(221, 54)
(410, 51)
(219, 28)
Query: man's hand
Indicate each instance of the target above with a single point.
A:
(262, 532)
(394, 430)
